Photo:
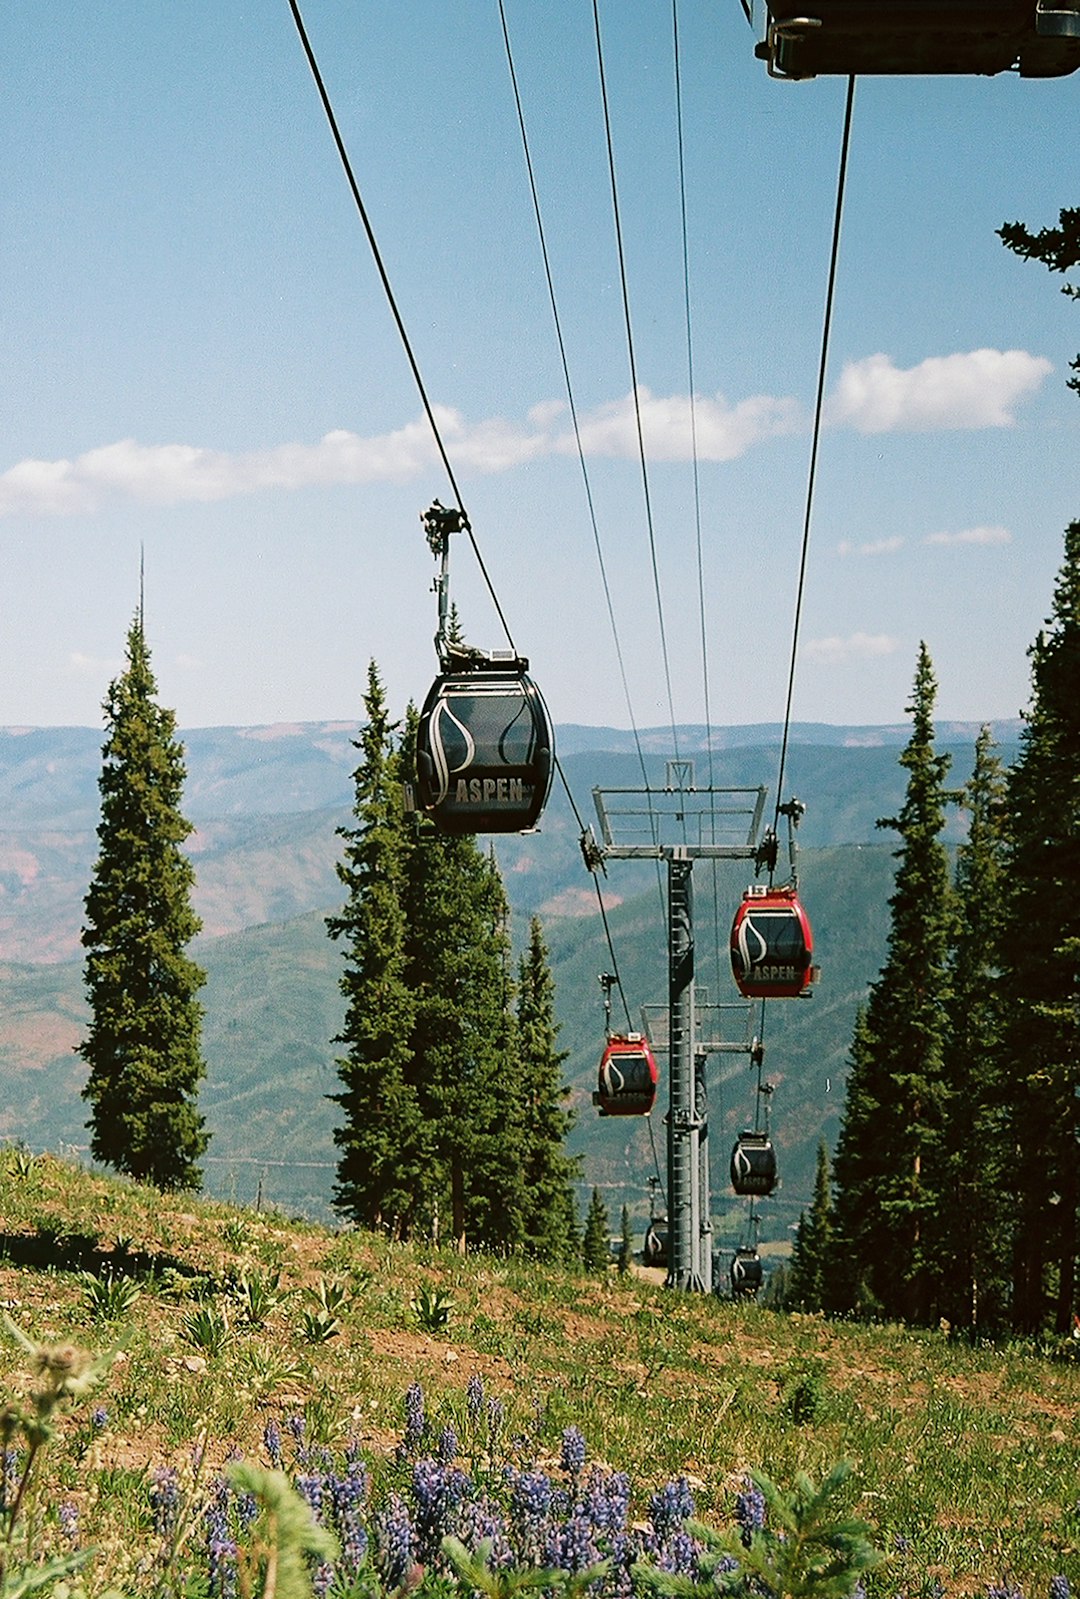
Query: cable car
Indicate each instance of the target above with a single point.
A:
(654, 1250)
(628, 1077)
(771, 945)
(753, 1164)
(484, 748)
(746, 1272)
(1040, 38)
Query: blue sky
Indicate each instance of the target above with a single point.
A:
(200, 361)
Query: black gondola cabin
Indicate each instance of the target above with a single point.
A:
(771, 945)
(804, 38)
(484, 749)
(654, 1249)
(753, 1164)
(627, 1077)
(746, 1273)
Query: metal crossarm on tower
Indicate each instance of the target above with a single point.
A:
(681, 823)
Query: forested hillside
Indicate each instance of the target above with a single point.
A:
(267, 802)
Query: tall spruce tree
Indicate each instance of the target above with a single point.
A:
(1040, 968)
(595, 1244)
(897, 1086)
(811, 1258)
(494, 1140)
(143, 1044)
(381, 1138)
(973, 1217)
(457, 968)
(543, 1117)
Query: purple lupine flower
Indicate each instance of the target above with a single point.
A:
(165, 1501)
(415, 1417)
(623, 1553)
(607, 1499)
(68, 1516)
(1006, 1591)
(220, 1546)
(496, 1417)
(750, 1512)
(310, 1488)
(448, 1446)
(474, 1396)
(1059, 1588)
(481, 1518)
(348, 1496)
(573, 1451)
(394, 1542)
(297, 1426)
(669, 1508)
(437, 1491)
(572, 1547)
(272, 1441)
(678, 1554)
(99, 1418)
(531, 1501)
(12, 1469)
(322, 1579)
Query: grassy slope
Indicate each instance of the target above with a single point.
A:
(968, 1455)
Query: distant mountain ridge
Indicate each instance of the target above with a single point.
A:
(48, 776)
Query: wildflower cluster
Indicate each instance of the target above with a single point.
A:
(570, 1518)
(510, 1514)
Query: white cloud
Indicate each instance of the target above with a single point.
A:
(876, 547)
(979, 389)
(972, 535)
(976, 390)
(172, 474)
(838, 651)
(723, 431)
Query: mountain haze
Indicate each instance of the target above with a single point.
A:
(267, 803)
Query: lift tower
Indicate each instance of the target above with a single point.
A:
(681, 823)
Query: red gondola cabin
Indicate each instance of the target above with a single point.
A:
(627, 1078)
(771, 945)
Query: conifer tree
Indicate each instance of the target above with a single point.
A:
(543, 1117)
(626, 1242)
(143, 1044)
(811, 1258)
(1057, 248)
(1040, 968)
(595, 1249)
(972, 1220)
(381, 1137)
(493, 1143)
(457, 953)
(897, 1087)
